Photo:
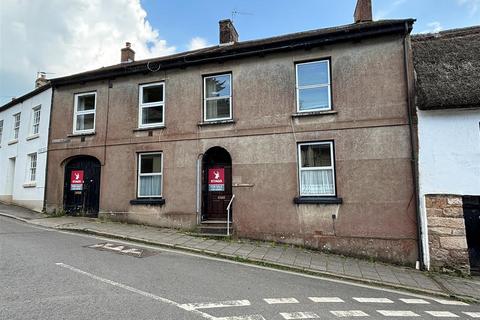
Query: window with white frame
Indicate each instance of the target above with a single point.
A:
(151, 105)
(36, 119)
(1, 131)
(313, 86)
(316, 169)
(150, 167)
(217, 97)
(16, 125)
(84, 112)
(32, 167)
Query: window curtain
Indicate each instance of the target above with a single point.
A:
(150, 185)
(316, 182)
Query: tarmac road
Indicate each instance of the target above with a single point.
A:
(49, 274)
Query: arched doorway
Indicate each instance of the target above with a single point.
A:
(81, 193)
(216, 184)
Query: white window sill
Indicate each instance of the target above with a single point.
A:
(79, 134)
(31, 184)
(314, 113)
(33, 136)
(160, 126)
(12, 141)
(214, 122)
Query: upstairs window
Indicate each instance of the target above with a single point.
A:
(16, 125)
(151, 105)
(150, 175)
(84, 113)
(36, 119)
(313, 86)
(1, 131)
(217, 101)
(316, 169)
(32, 171)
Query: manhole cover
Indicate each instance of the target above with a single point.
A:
(122, 249)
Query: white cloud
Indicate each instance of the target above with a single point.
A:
(66, 37)
(433, 27)
(197, 43)
(473, 5)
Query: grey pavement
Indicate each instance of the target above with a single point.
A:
(276, 255)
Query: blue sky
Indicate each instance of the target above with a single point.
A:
(66, 37)
(179, 21)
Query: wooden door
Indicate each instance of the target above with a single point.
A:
(471, 212)
(218, 191)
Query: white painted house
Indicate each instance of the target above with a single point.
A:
(447, 67)
(24, 127)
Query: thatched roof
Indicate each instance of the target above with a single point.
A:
(447, 66)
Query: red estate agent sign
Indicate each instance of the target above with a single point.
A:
(216, 179)
(76, 180)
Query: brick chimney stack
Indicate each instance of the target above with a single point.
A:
(41, 79)
(363, 11)
(228, 33)
(127, 54)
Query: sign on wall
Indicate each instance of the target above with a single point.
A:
(76, 180)
(216, 179)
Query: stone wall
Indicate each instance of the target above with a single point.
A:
(446, 233)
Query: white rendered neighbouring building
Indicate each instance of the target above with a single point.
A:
(447, 67)
(24, 127)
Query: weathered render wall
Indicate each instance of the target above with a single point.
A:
(29, 195)
(449, 164)
(369, 127)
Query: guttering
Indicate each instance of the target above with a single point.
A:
(413, 159)
(244, 50)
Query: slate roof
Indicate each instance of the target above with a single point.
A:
(307, 39)
(25, 96)
(447, 67)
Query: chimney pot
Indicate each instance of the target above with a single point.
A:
(363, 11)
(127, 54)
(228, 33)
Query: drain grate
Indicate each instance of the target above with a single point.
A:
(122, 249)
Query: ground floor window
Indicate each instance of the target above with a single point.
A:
(150, 167)
(316, 169)
(32, 171)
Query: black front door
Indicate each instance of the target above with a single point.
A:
(471, 213)
(82, 186)
(217, 184)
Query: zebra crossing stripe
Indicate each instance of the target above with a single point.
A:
(442, 314)
(397, 313)
(221, 304)
(475, 315)
(326, 299)
(250, 317)
(280, 300)
(415, 301)
(373, 300)
(451, 302)
(299, 315)
(349, 313)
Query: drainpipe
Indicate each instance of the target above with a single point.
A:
(44, 206)
(414, 165)
(199, 187)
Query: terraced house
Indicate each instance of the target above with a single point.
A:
(303, 138)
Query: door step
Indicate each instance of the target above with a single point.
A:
(214, 228)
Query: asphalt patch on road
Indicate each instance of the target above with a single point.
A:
(122, 249)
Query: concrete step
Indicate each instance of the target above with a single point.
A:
(214, 227)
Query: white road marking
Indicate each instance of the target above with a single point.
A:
(131, 289)
(349, 313)
(299, 315)
(442, 314)
(373, 300)
(415, 301)
(280, 300)
(250, 317)
(473, 314)
(451, 302)
(397, 313)
(220, 304)
(325, 299)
